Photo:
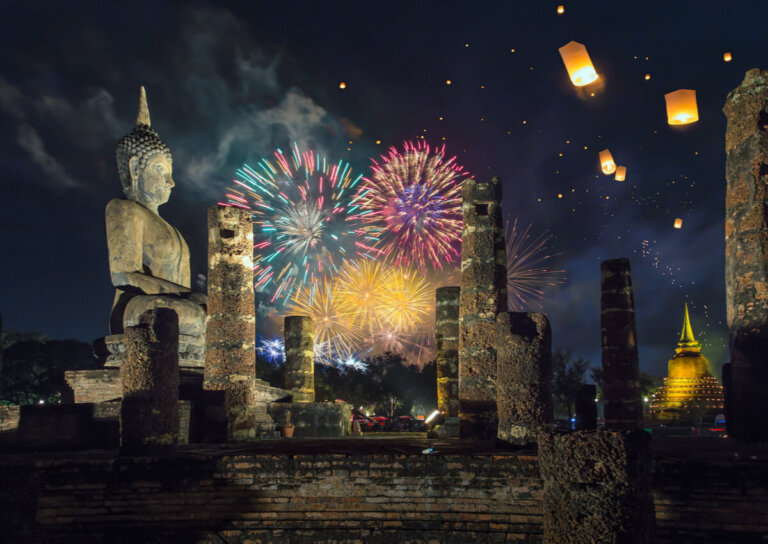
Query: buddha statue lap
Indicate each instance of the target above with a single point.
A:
(148, 257)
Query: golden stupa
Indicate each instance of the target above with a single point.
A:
(690, 391)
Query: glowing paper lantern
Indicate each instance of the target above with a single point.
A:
(681, 107)
(560, 10)
(621, 173)
(727, 56)
(342, 85)
(678, 223)
(578, 64)
(606, 162)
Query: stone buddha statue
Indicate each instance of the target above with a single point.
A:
(148, 257)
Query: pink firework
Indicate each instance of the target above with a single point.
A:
(416, 196)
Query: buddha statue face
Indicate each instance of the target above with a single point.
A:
(152, 181)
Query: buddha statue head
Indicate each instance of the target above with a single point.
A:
(144, 162)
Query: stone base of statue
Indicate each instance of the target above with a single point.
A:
(109, 350)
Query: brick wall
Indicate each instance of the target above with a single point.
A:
(202, 496)
(94, 385)
(264, 498)
(63, 427)
(711, 501)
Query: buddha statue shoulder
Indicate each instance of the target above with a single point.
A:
(148, 257)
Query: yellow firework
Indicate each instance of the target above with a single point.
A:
(334, 330)
(360, 287)
(407, 299)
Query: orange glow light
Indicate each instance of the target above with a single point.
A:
(578, 64)
(342, 85)
(606, 162)
(727, 56)
(621, 173)
(560, 10)
(678, 223)
(681, 107)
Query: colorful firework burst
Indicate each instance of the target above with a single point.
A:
(417, 194)
(306, 220)
(528, 273)
(407, 299)
(273, 349)
(360, 286)
(338, 335)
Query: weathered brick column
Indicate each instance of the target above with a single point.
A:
(483, 297)
(447, 340)
(746, 257)
(299, 373)
(230, 354)
(523, 376)
(597, 487)
(149, 377)
(621, 388)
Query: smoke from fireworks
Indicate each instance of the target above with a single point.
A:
(417, 194)
(305, 218)
(528, 273)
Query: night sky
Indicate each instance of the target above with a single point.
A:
(228, 84)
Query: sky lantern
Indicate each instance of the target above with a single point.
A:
(681, 107)
(678, 223)
(560, 9)
(606, 162)
(727, 56)
(578, 64)
(342, 84)
(621, 173)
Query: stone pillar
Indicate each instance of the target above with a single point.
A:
(746, 256)
(483, 297)
(230, 354)
(597, 487)
(299, 357)
(523, 376)
(447, 340)
(586, 408)
(621, 388)
(149, 377)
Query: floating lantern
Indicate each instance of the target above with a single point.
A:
(647, 77)
(560, 10)
(678, 223)
(606, 162)
(727, 56)
(447, 81)
(681, 107)
(578, 64)
(621, 173)
(342, 85)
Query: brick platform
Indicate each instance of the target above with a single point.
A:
(352, 490)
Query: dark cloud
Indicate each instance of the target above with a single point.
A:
(54, 175)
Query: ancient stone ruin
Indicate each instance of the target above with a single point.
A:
(179, 367)
(746, 253)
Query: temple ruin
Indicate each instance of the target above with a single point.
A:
(186, 432)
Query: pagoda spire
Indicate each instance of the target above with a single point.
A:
(687, 339)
